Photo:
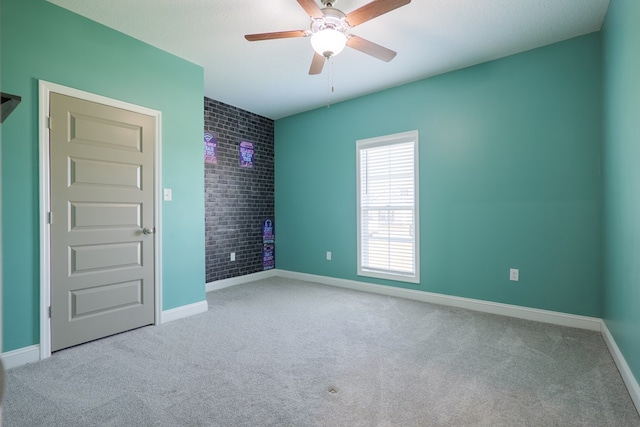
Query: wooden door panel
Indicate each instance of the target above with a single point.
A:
(87, 216)
(102, 299)
(102, 265)
(103, 173)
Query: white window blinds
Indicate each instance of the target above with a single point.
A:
(387, 207)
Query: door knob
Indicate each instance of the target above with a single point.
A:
(148, 230)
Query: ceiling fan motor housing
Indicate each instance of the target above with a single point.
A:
(329, 33)
(333, 19)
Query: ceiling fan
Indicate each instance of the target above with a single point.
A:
(330, 30)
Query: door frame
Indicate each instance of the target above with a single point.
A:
(44, 90)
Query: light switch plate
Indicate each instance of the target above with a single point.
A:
(167, 195)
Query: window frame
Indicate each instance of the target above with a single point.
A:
(387, 140)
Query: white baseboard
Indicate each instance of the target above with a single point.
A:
(184, 311)
(31, 354)
(627, 376)
(225, 283)
(538, 315)
(21, 356)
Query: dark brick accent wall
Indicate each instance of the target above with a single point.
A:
(237, 200)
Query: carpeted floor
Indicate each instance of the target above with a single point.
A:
(278, 352)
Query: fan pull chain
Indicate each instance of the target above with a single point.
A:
(330, 88)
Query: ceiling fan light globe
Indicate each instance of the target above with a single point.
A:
(328, 42)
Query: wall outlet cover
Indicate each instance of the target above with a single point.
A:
(514, 274)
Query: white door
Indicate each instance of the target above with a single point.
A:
(102, 204)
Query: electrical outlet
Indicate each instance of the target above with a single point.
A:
(233, 256)
(328, 256)
(514, 274)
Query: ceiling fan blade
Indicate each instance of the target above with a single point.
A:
(276, 35)
(373, 9)
(317, 63)
(370, 48)
(311, 8)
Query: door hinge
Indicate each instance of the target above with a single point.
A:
(50, 217)
(48, 122)
(49, 312)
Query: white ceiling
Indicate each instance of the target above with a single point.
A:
(271, 77)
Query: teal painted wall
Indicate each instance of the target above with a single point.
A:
(509, 177)
(622, 178)
(43, 41)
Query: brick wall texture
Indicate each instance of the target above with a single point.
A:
(237, 199)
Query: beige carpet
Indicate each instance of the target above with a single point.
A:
(283, 353)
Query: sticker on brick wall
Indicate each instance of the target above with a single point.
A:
(246, 154)
(210, 148)
(268, 235)
(268, 245)
(268, 256)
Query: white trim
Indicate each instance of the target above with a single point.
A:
(627, 376)
(45, 243)
(184, 311)
(157, 217)
(537, 315)
(21, 356)
(44, 90)
(31, 354)
(225, 283)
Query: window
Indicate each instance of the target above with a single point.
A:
(388, 233)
